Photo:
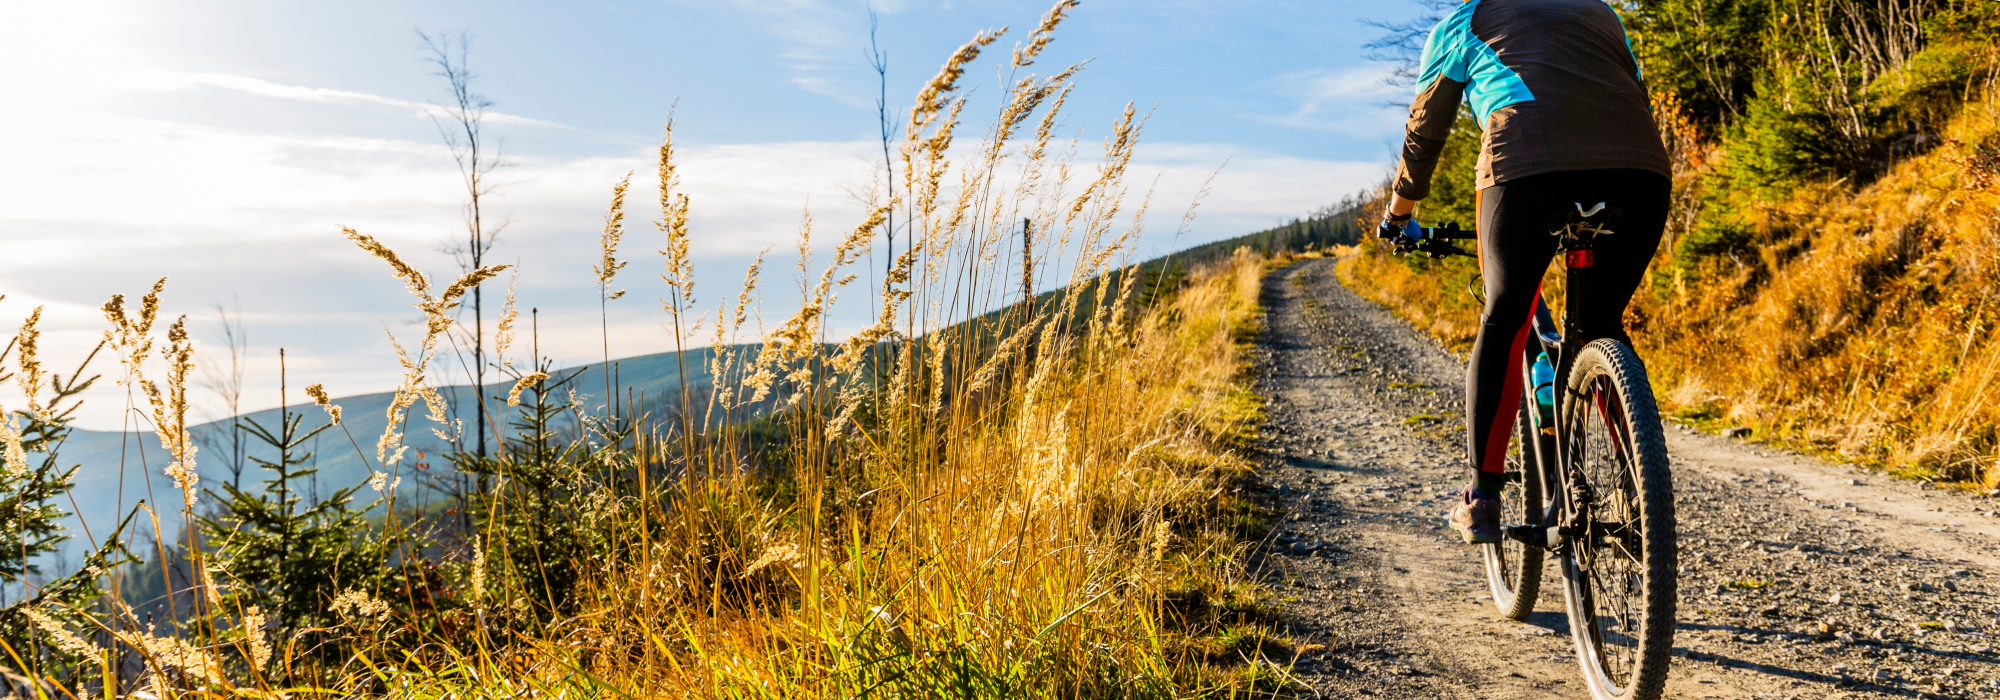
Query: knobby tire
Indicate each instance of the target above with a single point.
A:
(1617, 447)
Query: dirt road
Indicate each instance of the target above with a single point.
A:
(1799, 578)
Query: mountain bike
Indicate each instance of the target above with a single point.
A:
(1587, 482)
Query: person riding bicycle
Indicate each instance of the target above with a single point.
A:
(1566, 120)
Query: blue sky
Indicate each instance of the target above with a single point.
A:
(223, 143)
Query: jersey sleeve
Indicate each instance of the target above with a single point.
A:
(1440, 89)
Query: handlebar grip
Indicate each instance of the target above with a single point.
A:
(1439, 248)
(1451, 232)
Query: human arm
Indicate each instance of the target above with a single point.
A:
(1441, 82)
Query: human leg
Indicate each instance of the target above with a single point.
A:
(1514, 251)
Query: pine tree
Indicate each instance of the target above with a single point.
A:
(283, 556)
(45, 629)
(531, 524)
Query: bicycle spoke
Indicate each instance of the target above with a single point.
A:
(1609, 558)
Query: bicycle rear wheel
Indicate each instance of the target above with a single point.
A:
(1619, 567)
(1514, 570)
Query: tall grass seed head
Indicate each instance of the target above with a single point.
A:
(614, 229)
(1163, 537)
(28, 340)
(63, 638)
(318, 394)
(356, 604)
(514, 395)
(504, 336)
(478, 582)
(172, 653)
(130, 338)
(16, 454)
(254, 627)
(1025, 55)
(784, 555)
(674, 206)
(418, 284)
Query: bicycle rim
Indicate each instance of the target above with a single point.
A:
(1619, 574)
(1514, 570)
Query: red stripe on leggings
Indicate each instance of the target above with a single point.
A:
(1495, 460)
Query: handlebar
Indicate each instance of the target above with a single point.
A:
(1576, 228)
(1451, 232)
(1435, 242)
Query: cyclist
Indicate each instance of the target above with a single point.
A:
(1566, 119)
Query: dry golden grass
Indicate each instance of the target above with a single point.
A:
(1865, 327)
(1026, 548)
(1431, 294)
(973, 496)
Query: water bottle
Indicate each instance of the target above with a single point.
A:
(1544, 376)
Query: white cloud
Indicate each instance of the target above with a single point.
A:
(262, 88)
(93, 204)
(1359, 101)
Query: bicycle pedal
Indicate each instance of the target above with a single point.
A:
(1526, 534)
(1554, 537)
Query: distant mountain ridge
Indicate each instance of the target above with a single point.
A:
(120, 469)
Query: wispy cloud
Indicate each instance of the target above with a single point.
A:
(264, 88)
(1358, 100)
(824, 42)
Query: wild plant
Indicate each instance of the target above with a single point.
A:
(45, 629)
(289, 556)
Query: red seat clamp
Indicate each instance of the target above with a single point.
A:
(1580, 258)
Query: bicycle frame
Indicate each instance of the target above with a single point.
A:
(1567, 513)
(1551, 441)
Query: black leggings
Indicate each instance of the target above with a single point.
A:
(1515, 249)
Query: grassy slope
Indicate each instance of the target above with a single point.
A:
(1864, 322)
(1085, 544)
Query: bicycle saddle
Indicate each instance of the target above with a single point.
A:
(1598, 219)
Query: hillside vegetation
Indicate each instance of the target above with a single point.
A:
(1831, 271)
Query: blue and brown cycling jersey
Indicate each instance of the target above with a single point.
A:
(1553, 84)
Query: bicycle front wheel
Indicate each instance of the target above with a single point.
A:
(1619, 558)
(1513, 569)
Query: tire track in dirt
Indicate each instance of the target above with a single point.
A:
(1800, 579)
